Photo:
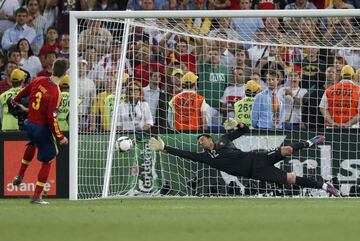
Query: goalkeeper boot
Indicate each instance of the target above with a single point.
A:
(17, 180)
(332, 190)
(39, 201)
(316, 140)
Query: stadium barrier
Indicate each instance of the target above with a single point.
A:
(12, 146)
(338, 157)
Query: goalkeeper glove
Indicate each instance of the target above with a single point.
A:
(230, 124)
(156, 145)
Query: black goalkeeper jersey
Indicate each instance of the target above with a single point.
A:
(224, 157)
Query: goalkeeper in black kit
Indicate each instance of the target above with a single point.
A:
(258, 165)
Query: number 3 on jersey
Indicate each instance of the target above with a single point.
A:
(36, 104)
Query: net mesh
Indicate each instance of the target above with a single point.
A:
(304, 56)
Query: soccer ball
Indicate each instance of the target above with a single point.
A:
(123, 143)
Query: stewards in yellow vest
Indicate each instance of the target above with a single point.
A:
(64, 108)
(243, 107)
(188, 108)
(8, 121)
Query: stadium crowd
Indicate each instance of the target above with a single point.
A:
(189, 74)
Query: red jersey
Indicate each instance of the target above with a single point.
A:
(44, 100)
(47, 47)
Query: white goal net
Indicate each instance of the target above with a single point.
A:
(177, 75)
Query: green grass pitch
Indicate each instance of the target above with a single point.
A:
(181, 219)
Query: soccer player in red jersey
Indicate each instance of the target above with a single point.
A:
(42, 125)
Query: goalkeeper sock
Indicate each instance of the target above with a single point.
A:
(27, 158)
(299, 145)
(306, 182)
(42, 178)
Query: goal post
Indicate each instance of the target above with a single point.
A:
(112, 52)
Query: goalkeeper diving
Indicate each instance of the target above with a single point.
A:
(259, 165)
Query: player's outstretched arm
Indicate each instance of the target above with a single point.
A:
(159, 145)
(156, 144)
(236, 129)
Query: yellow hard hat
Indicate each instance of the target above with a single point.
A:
(189, 77)
(252, 87)
(177, 71)
(65, 82)
(17, 75)
(357, 75)
(347, 70)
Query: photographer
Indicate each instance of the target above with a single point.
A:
(12, 117)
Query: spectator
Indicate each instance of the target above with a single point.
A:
(300, 4)
(311, 115)
(246, 27)
(293, 96)
(14, 55)
(50, 58)
(338, 31)
(272, 31)
(243, 107)
(51, 44)
(65, 7)
(134, 5)
(65, 47)
(37, 22)
(233, 93)
(6, 84)
(86, 95)
(340, 62)
(213, 78)
(272, 61)
(64, 108)
(2, 64)
(105, 5)
(243, 61)
(354, 3)
(340, 4)
(176, 76)
(219, 4)
(143, 69)
(269, 4)
(28, 61)
(115, 51)
(340, 103)
(258, 51)
(51, 12)
(8, 120)
(351, 55)
(223, 30)
(148, 5)
(7, 14)
(98, 107)
(95, 35)
(293, 23)
(183, 55)
(313, 70)
(188, 108)
(12, 35)
(268, 108)
(99, 65)
(256, 76)
(134, 113)
(199, 25)
(110, 99)
(172, 5)
(152, 92)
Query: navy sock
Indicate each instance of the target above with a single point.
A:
(299, 145)
(306, 182)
